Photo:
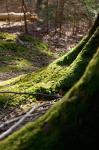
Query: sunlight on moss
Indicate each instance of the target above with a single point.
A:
(11, 81)
(16, 64)
(23, 63)
(36, 44)
(7, 37)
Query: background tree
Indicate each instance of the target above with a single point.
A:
(25, 19)
(7, 11)
(61, 14)
(38, 5)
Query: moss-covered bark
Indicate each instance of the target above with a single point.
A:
(73, 121)
(95, 25)
(77, 68)
(74, 52)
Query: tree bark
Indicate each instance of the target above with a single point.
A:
(8, 17)
(38, 5)
(71, 55)
(61, 15)
(77, 68)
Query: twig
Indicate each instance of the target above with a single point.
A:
(5, 124)
(38, 112)
(12, 128)
(30, 93)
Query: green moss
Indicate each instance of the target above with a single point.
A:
(26, 38)
(12, 46)
(18, 58)
(38, 44)
(7, 37)
(76, 69)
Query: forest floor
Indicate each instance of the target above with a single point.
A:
(21, 54)
(49, 47)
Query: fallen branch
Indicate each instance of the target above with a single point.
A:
(12, 128)
(38, 112)
(34, 94)
(4, 125)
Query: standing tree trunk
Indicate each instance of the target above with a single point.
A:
(38, 5)
(56, 16)
(24, 12)
(72, 121)
(61, 15)
(8, 19)
(47, 2)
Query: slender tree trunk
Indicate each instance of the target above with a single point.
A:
(7, 11)
(38, 5)
(47, 1)
(25, 20)
(56, 16)
(62, 2)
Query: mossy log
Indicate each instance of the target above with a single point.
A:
(73, 121)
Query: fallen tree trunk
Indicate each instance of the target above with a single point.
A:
(17, 16)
